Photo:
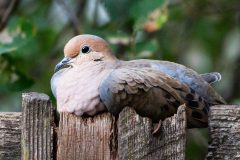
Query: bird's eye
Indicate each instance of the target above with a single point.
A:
(85, 49)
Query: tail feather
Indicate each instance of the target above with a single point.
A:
(211, 77)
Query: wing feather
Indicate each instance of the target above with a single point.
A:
(151, 93)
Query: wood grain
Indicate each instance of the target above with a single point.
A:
(224, 127)
(95, 137)
(86, 138)
(37, 127)
(136, 141)
(10, 135)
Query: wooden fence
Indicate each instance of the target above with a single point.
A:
(32, 134)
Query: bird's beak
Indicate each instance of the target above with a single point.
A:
(63, 64)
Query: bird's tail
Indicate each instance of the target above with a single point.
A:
(211, 77)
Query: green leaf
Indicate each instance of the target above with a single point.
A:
(11, 78)
(146, 49)
(142, 10)
(7, 48)
(20, 32)
(14, 81)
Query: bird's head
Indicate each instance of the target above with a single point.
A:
(84, 48)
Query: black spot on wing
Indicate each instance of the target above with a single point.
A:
(168, 96)
(175, 103)
(206, 105)
(189, 97)
(192, 91)
(193, 104)
(205, 110)
(166, 107)
(196, 114)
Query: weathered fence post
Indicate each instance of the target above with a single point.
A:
(136, 141)
(37, 127)
(86, 138)
(10, 135)
(224, 127)
(95, 138)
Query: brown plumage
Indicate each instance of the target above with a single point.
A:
(91, 79)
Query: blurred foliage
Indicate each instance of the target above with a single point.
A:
(201, 34)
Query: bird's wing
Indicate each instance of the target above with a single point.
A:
(187, 76)
(151, 93)
(211, 77)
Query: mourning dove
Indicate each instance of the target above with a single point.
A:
(90, 79)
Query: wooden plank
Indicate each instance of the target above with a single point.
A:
(37, 127)
(224, 127)
(10, 135)
(95, 137)
(136, 141)
(86, 138)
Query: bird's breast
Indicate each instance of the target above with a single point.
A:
(77, 88)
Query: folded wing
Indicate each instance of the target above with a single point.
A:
(151, 93)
